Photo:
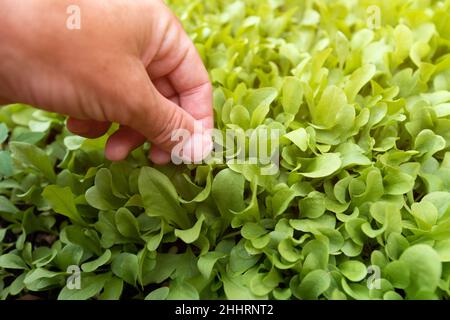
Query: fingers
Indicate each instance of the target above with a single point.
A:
(178, 74)
(125, 140)
(159, 120)
(159, 156)
(179, 62)
(190, 80)
(122, 142)
(87, 128)
(119, 144)
(164, 86)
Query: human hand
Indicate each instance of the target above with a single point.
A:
(130, 62)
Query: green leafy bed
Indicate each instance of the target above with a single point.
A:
(360, 208)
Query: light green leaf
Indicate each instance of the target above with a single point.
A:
(95, 264)
(441, 200)
(227, 191)
(160, 197)
(425, 268)
(287, 250)
(235, 289)
(396, 244)
(299, 137)
(7, 206)
(127, 224)
(3, 132)
(63, 202)
(32, 156)
(69, 255)
(192, 234)
(240, 116)
(252, 230)
(313, 285)
(206, 262)
(428, 143)
(261, 96)
(90, 286)
(112, 289)
(353, 270)
(101, 195)
(352, 155)
(17, 285)
(333, 100)
(282, 199)
(182, 290)
(125, 266)
(398, 273)
(398, 183)
(313, 206)
(6, 164)
(442, 247)
(240, 259)
(292, 95)
(321, 166)
(358, 80)
(12, 261)
(33, 277)
(158, 294)
(425, 214)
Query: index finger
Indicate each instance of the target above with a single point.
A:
(178, 68)
(191, 81)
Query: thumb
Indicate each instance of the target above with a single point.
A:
(168, 126)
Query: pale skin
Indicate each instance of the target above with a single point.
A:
(130, 63)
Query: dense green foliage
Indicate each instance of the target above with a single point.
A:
(360, 208)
